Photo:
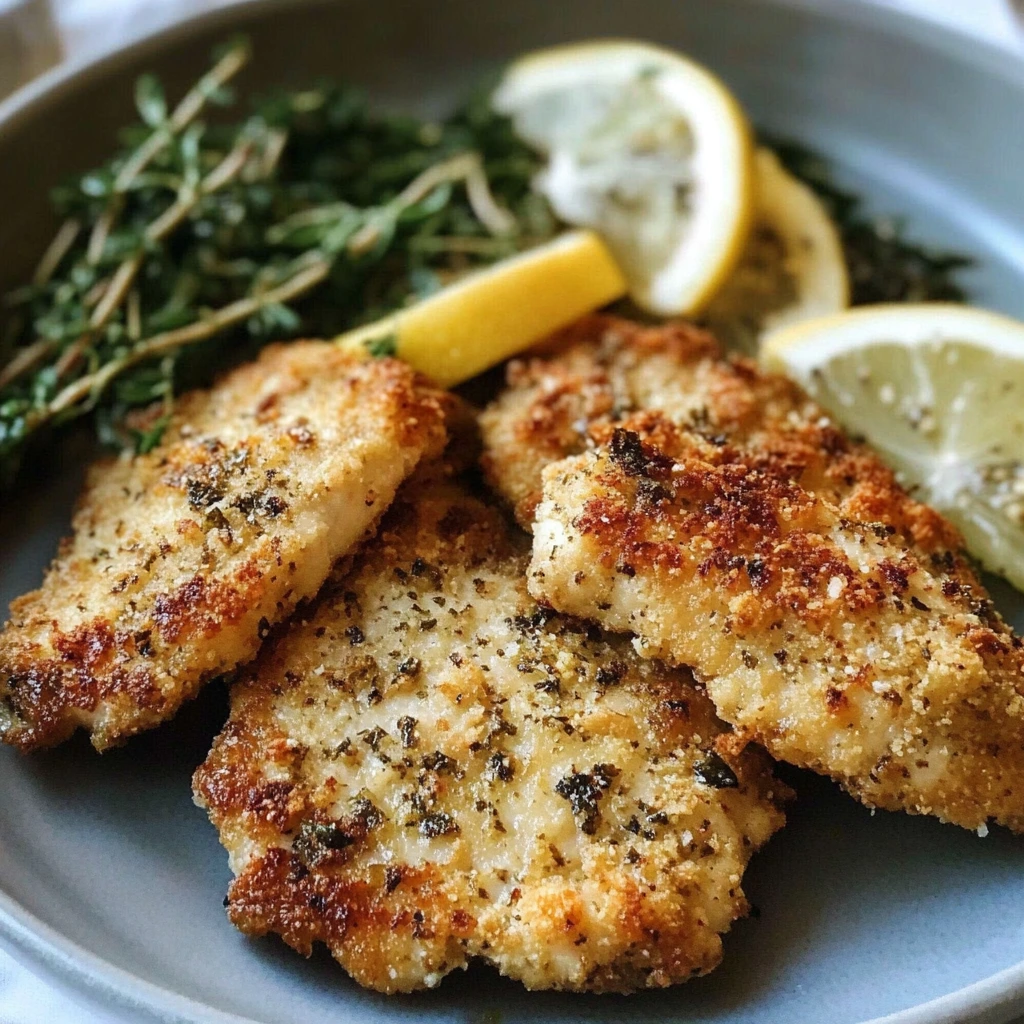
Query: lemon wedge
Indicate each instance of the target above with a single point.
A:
(490, 315)
(793, 267)
(647, 148)
(938, 391)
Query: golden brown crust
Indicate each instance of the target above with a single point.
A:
(430, 768)
(182, 559)
(602, 368)
(831, 616)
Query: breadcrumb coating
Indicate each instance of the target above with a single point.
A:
(427, 767)
(720, 516)
(183, 558)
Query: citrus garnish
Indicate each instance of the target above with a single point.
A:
(793, 267)
(492, 314)
(938, 391)
(647, 148)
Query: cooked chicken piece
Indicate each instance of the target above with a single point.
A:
(737, 530)
(602, 368)
(183, 559)
(429, 768)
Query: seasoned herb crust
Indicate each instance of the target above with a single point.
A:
(182, 559)
(728, 523)
(428, 767)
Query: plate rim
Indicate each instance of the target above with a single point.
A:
(58, 960)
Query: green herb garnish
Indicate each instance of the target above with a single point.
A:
(200, 241)
(387, 345)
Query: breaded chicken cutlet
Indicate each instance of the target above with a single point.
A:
(182, 559)
(427, 768)
(720, 516)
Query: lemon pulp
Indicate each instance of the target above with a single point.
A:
(938, 390)
(646, 148)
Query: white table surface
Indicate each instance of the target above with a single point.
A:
(34, 35)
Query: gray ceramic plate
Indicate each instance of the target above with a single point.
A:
(111, 881)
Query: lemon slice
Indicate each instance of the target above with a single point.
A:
(793, 267)
(938, 391)
(490, 315)
(647, 148)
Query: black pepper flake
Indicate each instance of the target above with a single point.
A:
(749, 660)
(263, 629)
(438, 762)
(409, 667)
(427, 624)
(407, 731)
(438, 824)
(539, 619)
(781, 656)
(919, 604)
(499, 767)
(203, 493)
(714, 772)
(367, 813)
(422, 569)
(355, 635)
(758, 573)
(259, 503)
(608, 675)
(372, 737)
(392, 878)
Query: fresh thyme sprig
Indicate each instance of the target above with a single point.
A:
(200, 241)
